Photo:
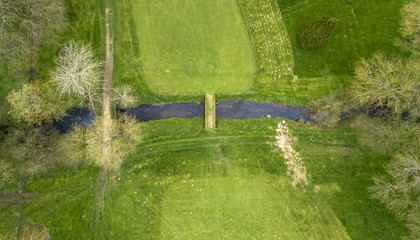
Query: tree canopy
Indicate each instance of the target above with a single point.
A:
(78, 72)
(37, 102)
(410, 28)
(410, 24)
(388, 83)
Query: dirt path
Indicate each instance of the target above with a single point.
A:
(103, 180)
(107, 88)
(295, 164)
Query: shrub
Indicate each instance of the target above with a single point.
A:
(72, 147)
(6, 172)
(34, 231)
(86, 145)
(316, 32)
(124, 97)
(388, 136)
(329, 110)
(33, 149)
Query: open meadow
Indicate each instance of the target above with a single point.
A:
(167, 54)
(187, 48)
(363, 27)
(188, 183)
(245, 179)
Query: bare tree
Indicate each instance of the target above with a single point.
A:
(388, 136)
(79, 72)
(124, 98)
(33, 149)
(399, 190)
(14, 43)
(8, 15)
(410, 24)
(388, 83)
(410, 28)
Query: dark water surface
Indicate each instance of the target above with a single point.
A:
(77, 117)
(153, 111)
(239, 109)
(229, 109)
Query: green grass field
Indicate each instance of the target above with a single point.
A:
(253, 57)
(189, 48)
(184, 182)
(363, 27)
(188, 183)
(273, 51)
(244, 206)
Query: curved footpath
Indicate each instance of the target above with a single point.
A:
(229, 109)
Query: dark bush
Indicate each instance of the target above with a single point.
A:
(329, 110)
(316, 32)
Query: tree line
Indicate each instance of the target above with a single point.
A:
(75, 80)
(384, 102)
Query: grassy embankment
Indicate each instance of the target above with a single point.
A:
(230, 53)
(329, 67)
(319, 71)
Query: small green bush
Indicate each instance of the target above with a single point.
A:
(316, 32)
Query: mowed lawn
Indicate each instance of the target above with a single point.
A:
(178, 50)
(363, 27)
(214, 185)
(187, 183)
(244, 206)
(192, 47)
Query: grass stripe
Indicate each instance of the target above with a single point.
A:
(272, 47)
